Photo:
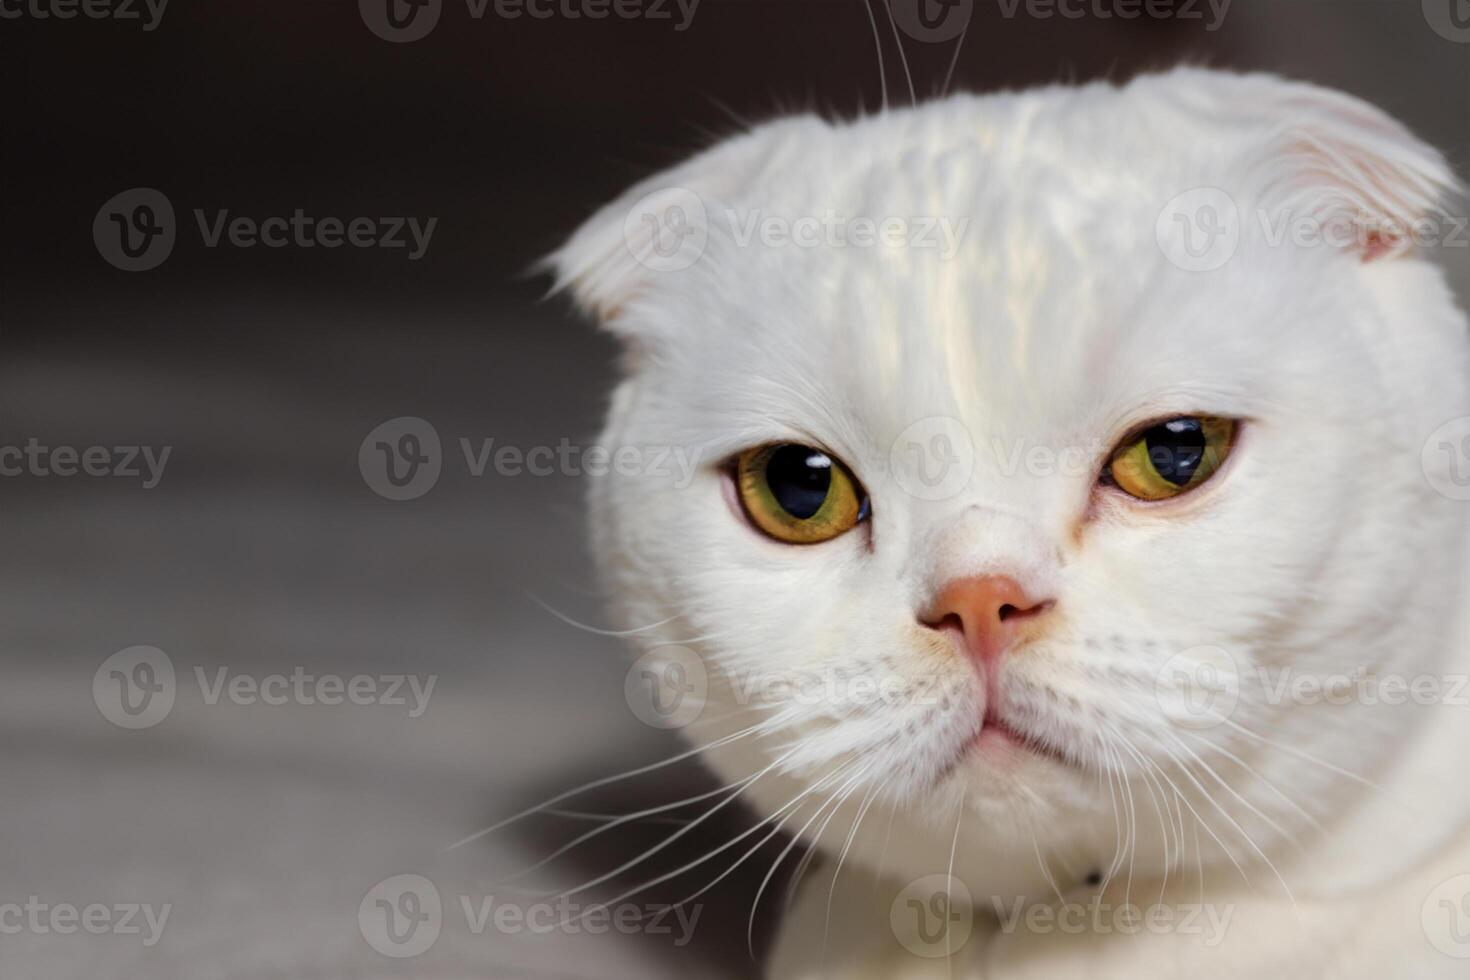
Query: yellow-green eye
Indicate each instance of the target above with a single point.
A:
(798, 494)
(1171, 457)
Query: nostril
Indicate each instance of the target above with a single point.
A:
(953, 621)
(1010, 611)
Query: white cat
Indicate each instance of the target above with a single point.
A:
(1067, 527)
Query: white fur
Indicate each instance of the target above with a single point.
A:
(1058, 322)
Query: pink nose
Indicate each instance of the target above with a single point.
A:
(988, 611)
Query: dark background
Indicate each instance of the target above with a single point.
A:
(262, 549)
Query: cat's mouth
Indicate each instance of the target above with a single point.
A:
(998, 736)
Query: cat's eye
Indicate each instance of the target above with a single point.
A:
(798, 494)
(1170, 457)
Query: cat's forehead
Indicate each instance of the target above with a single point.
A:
(903, 276)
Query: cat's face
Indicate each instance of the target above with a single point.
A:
(974, 386)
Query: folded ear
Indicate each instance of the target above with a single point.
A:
(1359, 175)
(660, 226)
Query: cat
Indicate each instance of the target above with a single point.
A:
(1069, 501)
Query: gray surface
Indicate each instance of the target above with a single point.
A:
(262, 549)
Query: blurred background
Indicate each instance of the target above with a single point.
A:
(260, 547)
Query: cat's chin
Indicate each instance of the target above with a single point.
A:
(1002, 744)
(999, 749)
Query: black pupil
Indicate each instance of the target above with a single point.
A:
(1176, 448)
(799, 478)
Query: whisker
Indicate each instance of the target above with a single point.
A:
(593, 629)
(954, 845)
(954, 59)
(1264, 781)
(878, 42)
(755, 904)
(842, 856)
(1305, 757)
(633, 862)
(596, 783)
(902, 56)
(625, 819)
(726, 873)
(677, 871)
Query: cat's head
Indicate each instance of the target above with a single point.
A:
(1035, 431)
